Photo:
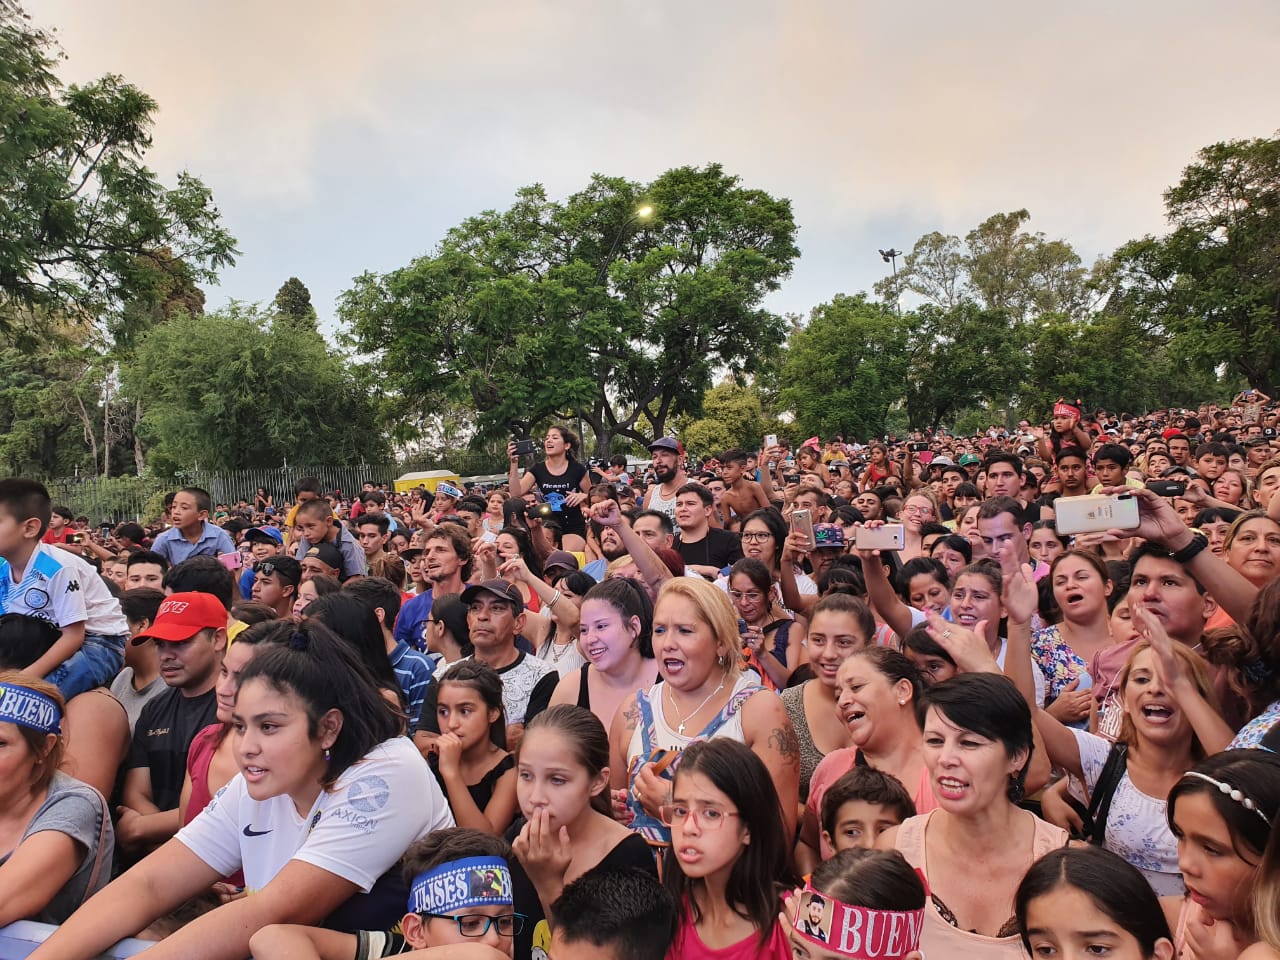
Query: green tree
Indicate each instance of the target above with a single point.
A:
(230, 390)
(846, 367)
(80, 213)
(1212, 286)
(733, 415)
(618, 305)
(293, 305)
(961, 357)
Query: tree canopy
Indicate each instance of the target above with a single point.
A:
(619, 305)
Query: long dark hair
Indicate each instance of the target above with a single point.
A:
(875, 879)
(765, 863)
(585, 736)
(525, 542)
(777, 526)
(354, 621)
(484, 680)
(312, 663)
(1115, 887)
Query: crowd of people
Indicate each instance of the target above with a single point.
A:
(812, 700)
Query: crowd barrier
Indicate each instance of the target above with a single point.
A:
(20, 938)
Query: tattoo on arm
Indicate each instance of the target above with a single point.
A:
(784, 740)
(631, 715)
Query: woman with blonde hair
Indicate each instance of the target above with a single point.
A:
(702, 693)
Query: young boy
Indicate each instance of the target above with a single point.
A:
(315, 524)
(60, 587)
(459, 894)
(192, 535)
(264, 542)
(1109, 466)
(741, 495)
(860, 806)
(612, 915)
(139, 681)
(60, 526)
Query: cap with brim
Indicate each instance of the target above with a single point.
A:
(666, 443)
(561, 558)
(182, 615)
(264, 535)
(408, 553)
(828, 536)
(498, 588)
(969, 459)
(327, 554)
(943, 461)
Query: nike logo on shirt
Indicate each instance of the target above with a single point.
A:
(250, 832)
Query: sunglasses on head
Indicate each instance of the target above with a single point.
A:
(265, 568)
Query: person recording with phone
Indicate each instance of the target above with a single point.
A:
(560, 479)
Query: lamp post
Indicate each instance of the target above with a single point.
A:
(890, 257)
(641, 213)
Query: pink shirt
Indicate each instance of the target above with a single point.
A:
(834, 766)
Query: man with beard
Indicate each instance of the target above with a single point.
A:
(446, 565)
(669, 476)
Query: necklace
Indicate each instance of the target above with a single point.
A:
(686, 717)
(564, 648)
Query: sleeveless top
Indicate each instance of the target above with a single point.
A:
(199, 757)
(810, 755)
(653, 733)
(555, 488)
(667, 506)
(941, 940)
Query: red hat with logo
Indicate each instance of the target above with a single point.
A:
(182, 615)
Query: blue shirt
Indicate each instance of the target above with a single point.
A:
(413, 671)
(175, 548)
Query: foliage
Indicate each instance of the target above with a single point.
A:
(621, 303)
(292, 305)
(846, 367)
(229, 389)
(733, 415)
(999, 267)
(1212, 286)
(81, 214)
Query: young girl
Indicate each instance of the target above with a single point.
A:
(773, 646)
(561, 479)
(1082, 902)
(1266, 904)
(311, 590)
(328, 797)
(562, 772)
(1222, 811)
(616, 636)
(832, 917)
(727, 857)
(469, 757)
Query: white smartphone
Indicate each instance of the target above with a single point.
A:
(770, 440)
(891, 536)
(1095, 513)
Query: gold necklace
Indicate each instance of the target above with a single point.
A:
(685, 717)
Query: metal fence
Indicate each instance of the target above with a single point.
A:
(116, 499)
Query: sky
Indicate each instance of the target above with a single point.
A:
(342, 137)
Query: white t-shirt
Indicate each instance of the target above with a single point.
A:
(357, 830)
(60, 587)
(1137, 829)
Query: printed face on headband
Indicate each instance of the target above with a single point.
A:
(825, 929)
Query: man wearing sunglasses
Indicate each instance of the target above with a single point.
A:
(275, 582)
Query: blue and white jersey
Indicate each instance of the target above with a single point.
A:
(50, 588)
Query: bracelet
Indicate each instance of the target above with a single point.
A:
(555, 598)
(1198, 543)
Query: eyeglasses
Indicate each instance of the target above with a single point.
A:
(708, 818)
(265, 568)
(756, 537)
(749, 595)
(914, 511)
(478, 924)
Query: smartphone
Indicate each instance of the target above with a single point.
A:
(742, 627)
(891, 536)
(1167, 488)
(770, 440)
(104, 531)
(801, 521)
(917, 447)
(1096, 513)
(791, 478)
(525, 447)
(75, 538)
(488, 537)
(232, 561)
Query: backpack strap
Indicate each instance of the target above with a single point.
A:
(1104, 790)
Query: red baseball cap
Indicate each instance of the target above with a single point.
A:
(182, 615)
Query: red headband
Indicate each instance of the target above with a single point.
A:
(858, 932)
(1064, 409)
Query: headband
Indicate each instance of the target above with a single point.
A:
(30, 709)
(1064, 409)
(455, 884)
(859, 933)
(1233, 792)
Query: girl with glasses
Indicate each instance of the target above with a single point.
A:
(728, 862)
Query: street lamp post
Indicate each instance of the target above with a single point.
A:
(641, 213)
(890, 257)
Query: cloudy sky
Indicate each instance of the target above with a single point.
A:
(343, 137)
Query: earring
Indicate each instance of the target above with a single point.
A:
(326, 755)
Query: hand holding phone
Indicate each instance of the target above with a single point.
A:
(802, 522)
(887, 536)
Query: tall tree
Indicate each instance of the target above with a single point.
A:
(733, 415)
(230, 389)
(846, 367)
(293, 305)
(1213, 284)
(618, 305)
(80, 213)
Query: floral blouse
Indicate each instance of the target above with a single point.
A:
(1057, 661)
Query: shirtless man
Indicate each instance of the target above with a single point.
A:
(741, 496)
